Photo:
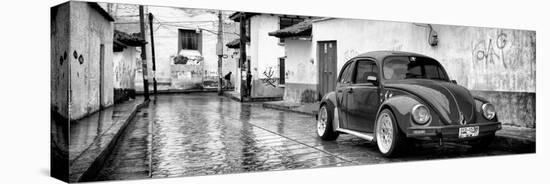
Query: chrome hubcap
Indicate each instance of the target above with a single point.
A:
(322, 121)
(384, 133)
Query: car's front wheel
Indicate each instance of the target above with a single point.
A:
(390, 140)
(325, 130)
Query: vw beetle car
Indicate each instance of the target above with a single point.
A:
(394, 98)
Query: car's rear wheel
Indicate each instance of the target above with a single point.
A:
(325, 130)
(390, 140)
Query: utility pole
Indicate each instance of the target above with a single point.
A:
(153, 54)
(143, 55)
(219, 51)
(242, 47)
(242, 52)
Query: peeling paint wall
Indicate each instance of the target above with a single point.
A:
(264, 53)
(124, 73)
(60, 57)
(89, 31)
(124, 68)
(301, 72)
(187, 76)
(491, 60)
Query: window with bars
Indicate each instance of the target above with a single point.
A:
(188, 39)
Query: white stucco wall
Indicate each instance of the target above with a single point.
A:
(478, 58)
(88, 31)
(299, 65)
(166, 37)
(265, 52)
(264, 49)
(124, 68)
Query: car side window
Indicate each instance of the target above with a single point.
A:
(346, 74)
(365, 68)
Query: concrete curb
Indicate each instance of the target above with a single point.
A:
(231, 97)
(285, 108)
(505, 142)
(100, 160)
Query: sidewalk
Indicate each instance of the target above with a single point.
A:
(91, 138)
(509, 137)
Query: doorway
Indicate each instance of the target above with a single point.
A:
(326, 53)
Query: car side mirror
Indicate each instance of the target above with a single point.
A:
(372, 79)
(453, 81)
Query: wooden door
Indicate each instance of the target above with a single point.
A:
(326, 52)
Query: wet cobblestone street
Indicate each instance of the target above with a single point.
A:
(203, 134)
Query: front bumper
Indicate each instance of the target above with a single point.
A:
(450, 132)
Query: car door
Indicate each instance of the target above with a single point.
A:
(342, 87)
(362, 97)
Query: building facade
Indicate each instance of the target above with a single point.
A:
(185, 45)
(125, 63)
(497, 64)
(300, 70)
(82, 52)
(265, 53)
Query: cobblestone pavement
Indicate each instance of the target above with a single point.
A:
(202, 134)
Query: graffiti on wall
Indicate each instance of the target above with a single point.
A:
(491, 51)
(348, 54)
(269, 79)
(80, 58)
(63, 58)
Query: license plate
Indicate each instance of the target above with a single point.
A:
(468, 131)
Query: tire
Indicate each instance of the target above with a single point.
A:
(325, 129)
(482, 143)
(390, 140)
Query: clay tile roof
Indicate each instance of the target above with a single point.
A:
(300, 29)
(128, 39)
(235, 44)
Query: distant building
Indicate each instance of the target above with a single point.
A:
(81, 59)
(300, 68)
(185, 45)
(125, 63)
(267, 57)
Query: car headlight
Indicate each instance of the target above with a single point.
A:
(488, 111)
(421, 114)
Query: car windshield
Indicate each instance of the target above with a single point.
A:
(405, 67)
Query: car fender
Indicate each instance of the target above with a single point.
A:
(479, 112)
(330, 99)
(401, 108)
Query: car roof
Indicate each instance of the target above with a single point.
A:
(380, 55)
